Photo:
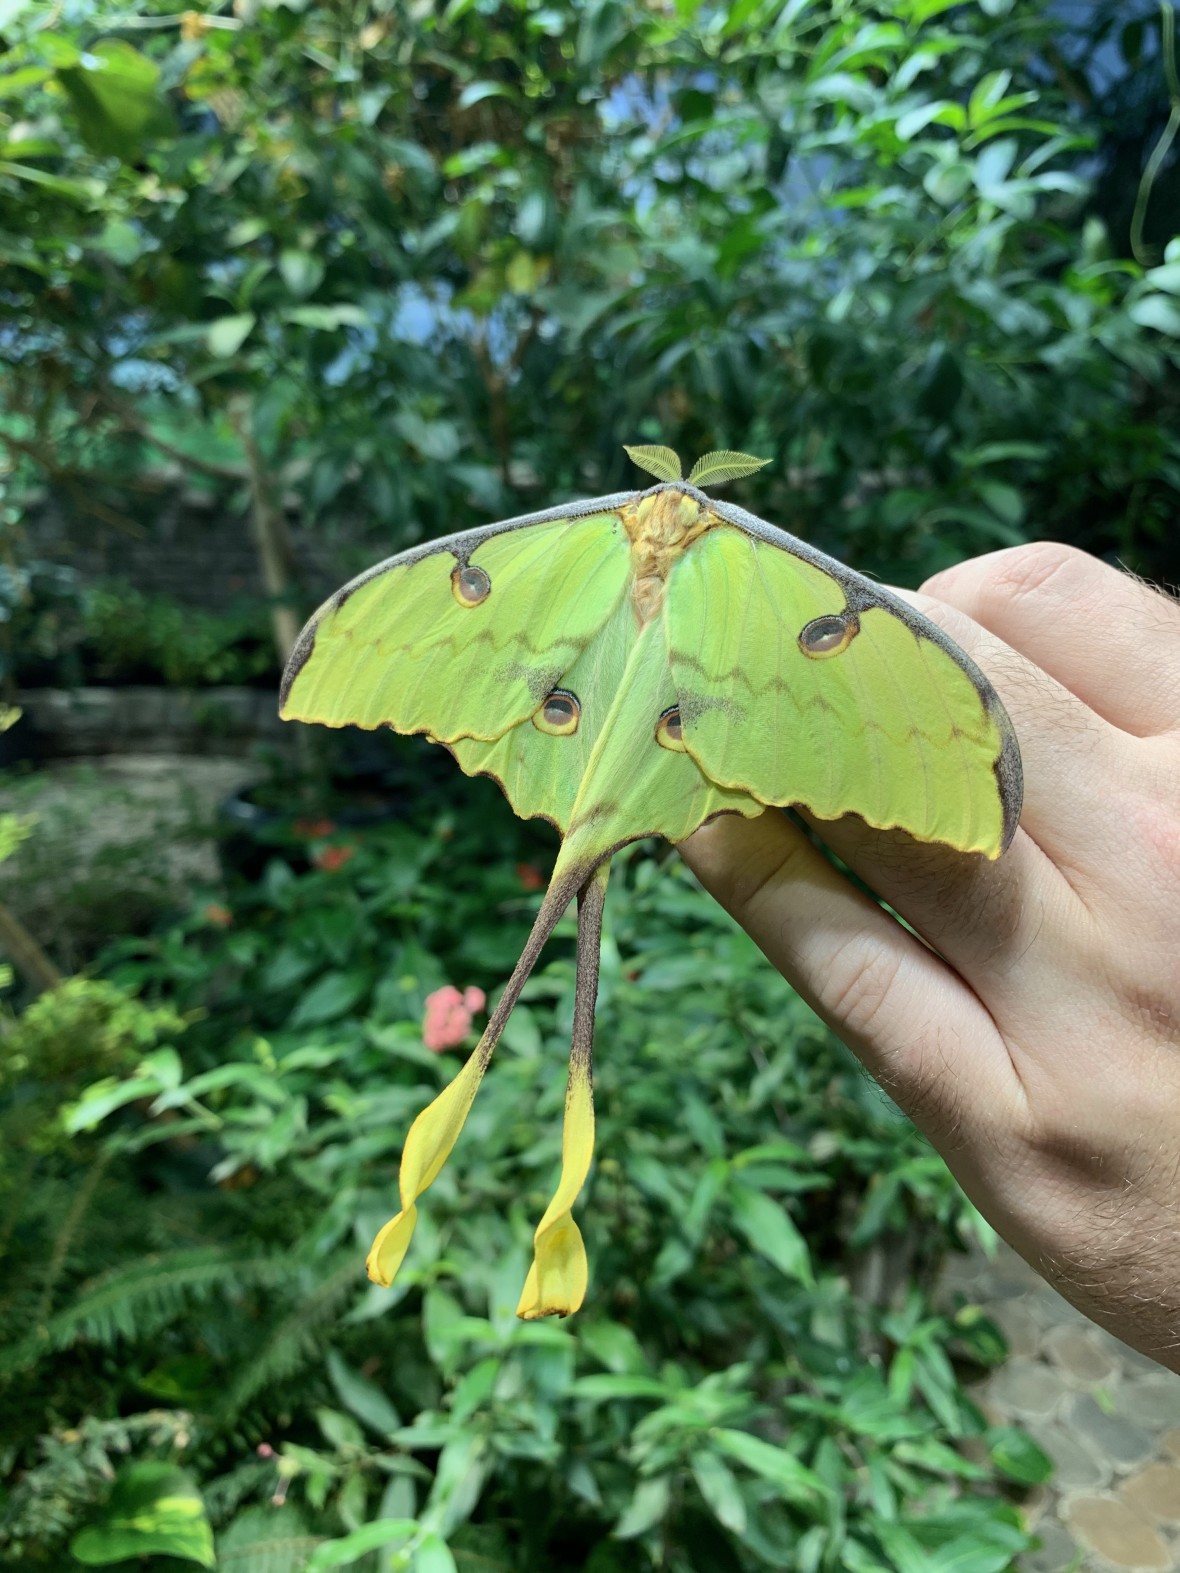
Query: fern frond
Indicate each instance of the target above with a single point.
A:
(297, 1339)
(139, 1300)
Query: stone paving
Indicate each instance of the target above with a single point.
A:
(121, 799)
(1107, 1416)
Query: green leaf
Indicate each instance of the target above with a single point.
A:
(16, 83)
(121, 241)
(154, 1509)
(943, 113)
(301, 271)
(796, 1482)
(1156, 311)
(157, 1072)
(475, 157)
(340, 1431)
(328, 318)
(476, 92)
(1015, 1453)
(613, 1345)
(115, 94)
(718, 1485)
(966, 1554)
(771, 1231)
(62, 186)
(618, 1384)
(648, 1505)
(987, 94)
(226, 335)
(438, 440)
(433, 1556)
(351, 1548)
(366, 1401)
(948, 183)
(333, 996)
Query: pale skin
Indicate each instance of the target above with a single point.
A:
(1035, 1036)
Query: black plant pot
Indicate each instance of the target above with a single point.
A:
(19, 745)
(250, 834)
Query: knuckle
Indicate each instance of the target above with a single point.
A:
(862, 984)
(1158, 824)
(1025, 572)
(1017, 573)
(916, 1058)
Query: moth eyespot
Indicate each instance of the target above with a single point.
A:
(830, 635)
(560, 714)
(470, 585)
(669, 731)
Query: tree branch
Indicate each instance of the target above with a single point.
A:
(25, 953)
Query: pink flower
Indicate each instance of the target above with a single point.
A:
(448, 1016)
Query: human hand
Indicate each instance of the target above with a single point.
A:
(1037, 1042)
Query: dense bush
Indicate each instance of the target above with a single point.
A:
(109, 632)
(423, 268)
(124, 636)
(759, 1375)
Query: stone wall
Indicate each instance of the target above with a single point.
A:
(192, 546)
(88, 722)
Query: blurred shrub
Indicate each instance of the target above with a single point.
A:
(129, 637)
(418, 268)
(112, 633)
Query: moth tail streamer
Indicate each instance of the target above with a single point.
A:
(436, 1129)
(556, 1283)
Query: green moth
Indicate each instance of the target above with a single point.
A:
(632, 666)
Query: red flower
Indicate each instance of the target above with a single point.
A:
(332, 858)
(314, 829)
(530, 876)
(220, 916)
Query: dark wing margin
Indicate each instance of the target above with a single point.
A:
(861, 594)
(461, 545)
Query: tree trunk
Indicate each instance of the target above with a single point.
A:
(269, 529)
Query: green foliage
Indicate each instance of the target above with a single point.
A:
(72, 1475)
(447, 263)
(125, 636)
(14, 829)
(83, 1027)
(111, 633)
(733, 1394)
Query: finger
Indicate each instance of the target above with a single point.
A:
(916, 1025)
(1070, 756)
(1109, 639)
(997, 923)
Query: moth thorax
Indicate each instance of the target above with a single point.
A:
(660, 528)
